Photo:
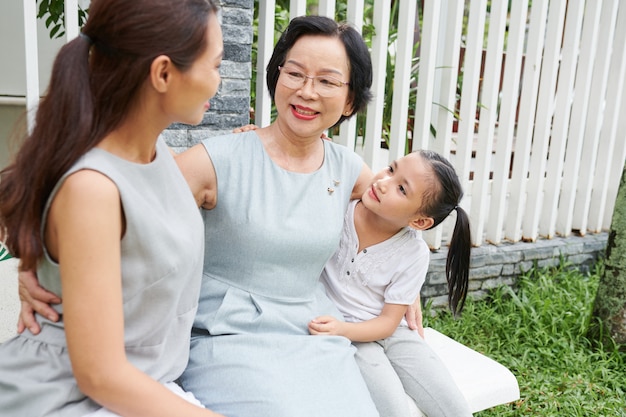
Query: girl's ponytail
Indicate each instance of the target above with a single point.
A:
(438, 204)
(458, 262)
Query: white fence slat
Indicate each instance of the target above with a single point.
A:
(564, 139)
(32, 62)
(426, 75)
(543, 119)
(507, 119)
(582, 87)
(327, 8)
(617, 165)
(469, 95)
(562, 112)
(296, 8)
(594, 116)
(401, 79)
(488, 118)
(71, 19)
(263, 105)
(374, 123)
(523, 141)
(446, 77)
(608, 133)
(347, 130)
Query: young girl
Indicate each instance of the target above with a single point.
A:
(378, 271)
(95, 201)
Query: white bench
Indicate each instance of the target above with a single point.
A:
(484, 382)
(9, 301)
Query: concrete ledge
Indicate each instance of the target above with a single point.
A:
(495, 265)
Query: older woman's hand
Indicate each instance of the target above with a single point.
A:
(34, 299)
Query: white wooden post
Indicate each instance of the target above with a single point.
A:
(263, 109)
(32, 62)
(488, 118)
(595, 114)
(523, 141)
(347, 131)
(327, 8)
(582, 88)
(446, 78)
(543, 118)
(296, 8)
(507, 119)
(469, 95)
(617, 166)
(402, 79)
(562, 112)
(608, 132)
(426, 75)
(375, 109)
(71, 19)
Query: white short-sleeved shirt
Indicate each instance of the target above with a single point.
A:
(390, 272)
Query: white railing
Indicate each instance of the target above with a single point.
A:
(544, 155)
(537, 140)
(32, 52)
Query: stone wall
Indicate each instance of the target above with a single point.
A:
(492, 266)
(230, 107)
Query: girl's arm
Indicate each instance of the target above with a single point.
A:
(197, 168)
(367, 331)
(83, 233)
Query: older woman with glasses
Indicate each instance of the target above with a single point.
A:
(280, 193)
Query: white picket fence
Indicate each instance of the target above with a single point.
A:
(545, 156)
(544, 153)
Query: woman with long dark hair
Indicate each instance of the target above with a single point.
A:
(83, 204)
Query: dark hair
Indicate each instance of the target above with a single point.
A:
(95, 79)
(438, 203)
(356, 49)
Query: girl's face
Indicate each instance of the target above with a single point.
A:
(397, 192)
(306, 111)
(200, 82)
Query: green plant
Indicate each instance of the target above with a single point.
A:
(539, 332)
(4, 253)
(53, 11)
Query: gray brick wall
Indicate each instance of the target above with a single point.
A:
(492, 266)
(230, 107)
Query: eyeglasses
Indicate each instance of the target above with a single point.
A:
(324, 85)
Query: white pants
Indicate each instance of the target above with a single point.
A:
(404, 362)
(172, 386)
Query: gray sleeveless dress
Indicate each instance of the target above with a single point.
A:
(162, 253)
(266, 244)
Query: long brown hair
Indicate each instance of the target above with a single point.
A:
(95, 80)
(442, 200)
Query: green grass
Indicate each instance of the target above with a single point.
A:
(538, 331)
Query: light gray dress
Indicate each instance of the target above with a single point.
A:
(266, 244)
(162, 252)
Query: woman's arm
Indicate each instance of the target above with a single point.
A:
(83, 233)
(198, 170)
(367, 331)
